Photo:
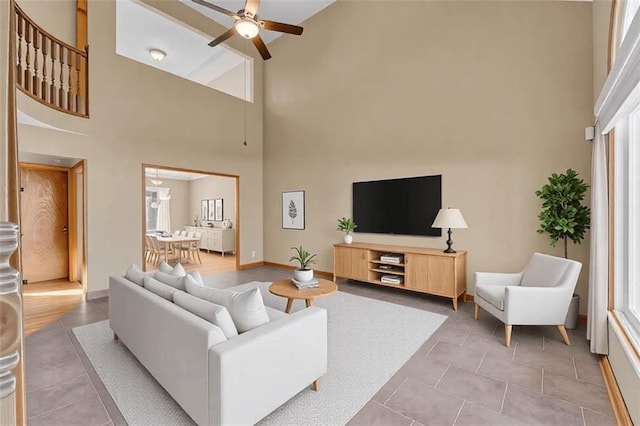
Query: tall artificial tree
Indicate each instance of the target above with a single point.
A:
(563, 216)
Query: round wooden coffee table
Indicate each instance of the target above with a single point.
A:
(285, 288)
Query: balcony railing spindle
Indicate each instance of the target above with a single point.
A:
(49, 70)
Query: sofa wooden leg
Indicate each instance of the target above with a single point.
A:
(115, 336)
(565, 337)
(507, 335)
(476, 312)
(316, 385)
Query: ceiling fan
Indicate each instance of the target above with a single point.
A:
(248, 25)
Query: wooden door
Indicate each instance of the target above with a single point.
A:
(44, 214)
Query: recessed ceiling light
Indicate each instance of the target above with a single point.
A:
(157, 54)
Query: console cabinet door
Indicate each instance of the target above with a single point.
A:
(351, 263)
(359, 264)
(440, 275)
(416, 271)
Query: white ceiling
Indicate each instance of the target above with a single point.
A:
(51, 160)
(139, 27)
(288, 11)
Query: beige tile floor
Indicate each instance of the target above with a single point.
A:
(462, 375)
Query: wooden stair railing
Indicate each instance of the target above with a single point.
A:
(49, 70)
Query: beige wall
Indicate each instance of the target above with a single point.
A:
(143, 115)
(212, 187)
(232, 81)
(492, 95)
(57, 17)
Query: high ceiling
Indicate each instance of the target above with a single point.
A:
(140, 28)
(288, 11)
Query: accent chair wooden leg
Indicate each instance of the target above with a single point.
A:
(115, 336)
(507, 335)
(316, 385)
(565, 337)
(476, 312)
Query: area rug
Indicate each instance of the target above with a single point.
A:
(368, 341)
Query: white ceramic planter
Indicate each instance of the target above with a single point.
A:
(348, 239)
(303, 274)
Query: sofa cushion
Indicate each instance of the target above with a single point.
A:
(544, 271)
(215, 314)
(493, 294)
(274, 314)
(135, 274)
(159, 288)
(176, 271)
(196, 276)
(173, 281)
(246, 308)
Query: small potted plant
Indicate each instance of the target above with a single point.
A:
(304, 258)
(346, 224)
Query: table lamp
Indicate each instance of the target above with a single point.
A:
(449, 218)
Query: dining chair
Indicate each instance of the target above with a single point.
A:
(193, 248)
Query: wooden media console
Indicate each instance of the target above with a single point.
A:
(419, 269)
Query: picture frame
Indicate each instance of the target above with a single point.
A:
(204, 209)
(293, 210)
(212, 210)
(218, 205)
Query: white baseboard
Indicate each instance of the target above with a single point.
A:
(97, 294)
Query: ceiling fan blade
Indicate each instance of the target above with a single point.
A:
(230, 32)
(279, 26)
(217, 8)
(251, 7)
(262, 48)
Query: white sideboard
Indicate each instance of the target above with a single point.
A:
(216, 239)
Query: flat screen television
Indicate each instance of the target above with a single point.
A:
(406, 206)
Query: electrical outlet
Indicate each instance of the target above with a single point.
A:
(253, 254)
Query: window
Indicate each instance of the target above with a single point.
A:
(618, 107)
(151, 202)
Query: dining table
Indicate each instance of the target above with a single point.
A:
(176, 240)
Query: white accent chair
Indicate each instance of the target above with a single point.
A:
(539, 295)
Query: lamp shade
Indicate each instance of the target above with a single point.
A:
(449, 218)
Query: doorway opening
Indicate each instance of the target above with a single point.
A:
(53, 249)
(191, 217)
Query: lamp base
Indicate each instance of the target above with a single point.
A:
(449, 243)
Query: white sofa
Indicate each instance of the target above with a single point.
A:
(217, 381)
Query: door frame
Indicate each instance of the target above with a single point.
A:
(74, 221)
(202, 172)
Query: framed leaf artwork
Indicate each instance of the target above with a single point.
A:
(293, 210)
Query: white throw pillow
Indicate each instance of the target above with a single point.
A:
(215, 314)
(176, 271)
(135, 274)
(159, 288)
(196, 276)
(247, 308)
(168, 279)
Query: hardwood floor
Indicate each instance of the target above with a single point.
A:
(212, 263)
(46, 301)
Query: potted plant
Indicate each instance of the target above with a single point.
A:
(347, 225)
(304, 258)
(563, 216)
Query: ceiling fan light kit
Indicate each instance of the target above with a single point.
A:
(248, 25)
(247, 28)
